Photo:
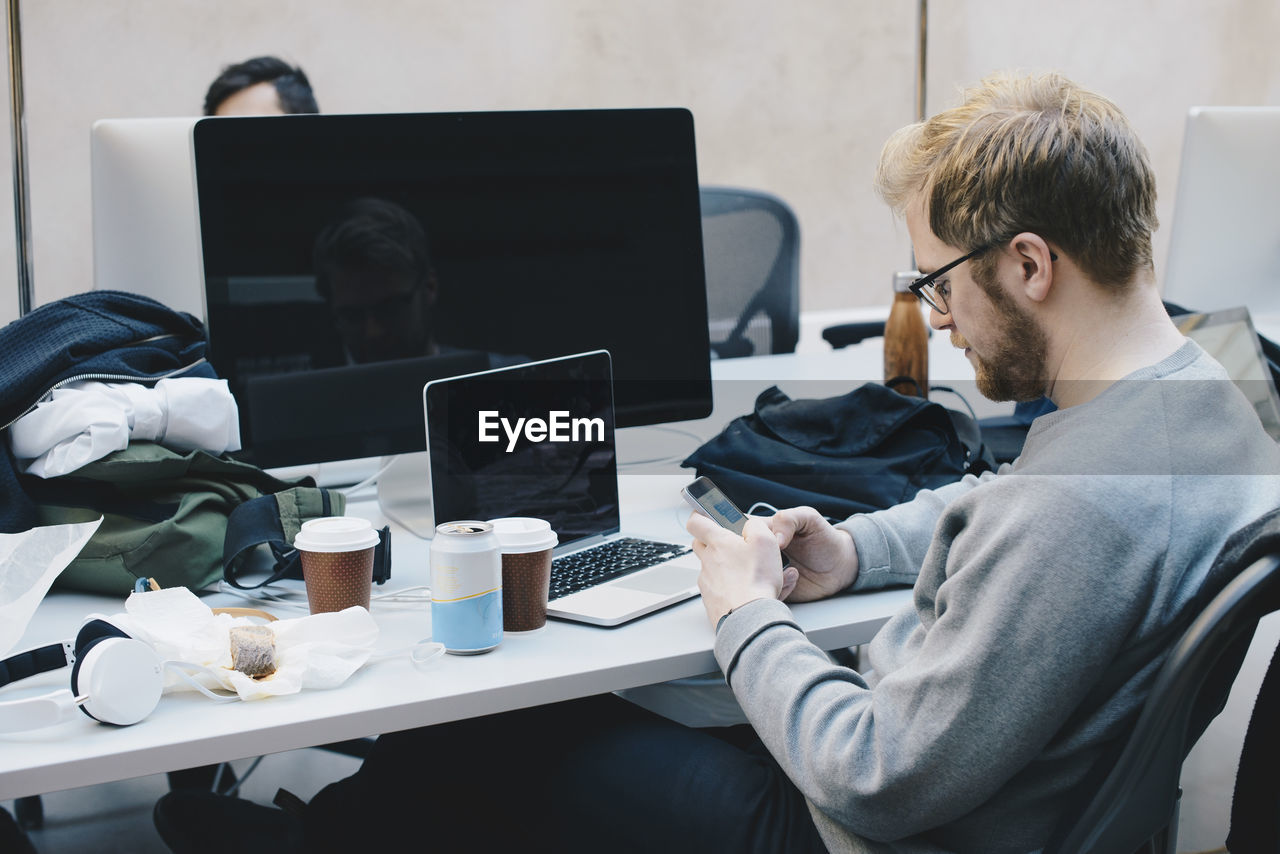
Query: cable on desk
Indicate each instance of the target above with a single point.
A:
(371, 479)
(673, 458)
(182, 671)
(416, 593)
(262, 594)
(290, 599)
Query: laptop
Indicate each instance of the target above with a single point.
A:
(538, 439)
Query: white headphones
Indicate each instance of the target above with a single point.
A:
(115, 679)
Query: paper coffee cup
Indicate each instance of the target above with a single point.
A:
(337, 561)
(526, 545)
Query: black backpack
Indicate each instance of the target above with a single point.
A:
(866, 450)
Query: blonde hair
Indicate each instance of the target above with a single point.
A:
(1030, 153)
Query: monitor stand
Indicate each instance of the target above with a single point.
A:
(404, 494)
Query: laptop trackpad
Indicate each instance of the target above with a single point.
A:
(660, 579)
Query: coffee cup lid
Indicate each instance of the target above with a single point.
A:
(336, 534)
(523, 534)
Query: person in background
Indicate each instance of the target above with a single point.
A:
(261, 86)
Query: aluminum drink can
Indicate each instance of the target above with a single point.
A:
(466, 587)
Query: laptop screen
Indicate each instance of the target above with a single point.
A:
(535, 439)
(1229, 336)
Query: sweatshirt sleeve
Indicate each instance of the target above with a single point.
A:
(987, 665)
(891, 543)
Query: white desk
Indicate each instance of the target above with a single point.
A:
(561, 662)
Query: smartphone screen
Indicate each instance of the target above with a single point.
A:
(707, 498)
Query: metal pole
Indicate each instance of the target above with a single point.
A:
(921, 58)
(922, 42)
(18, 128)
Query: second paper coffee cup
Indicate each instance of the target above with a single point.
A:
(526, 545)
(337, 561)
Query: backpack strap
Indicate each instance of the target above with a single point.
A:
(274, 520)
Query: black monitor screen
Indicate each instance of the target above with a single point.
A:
(387, 250)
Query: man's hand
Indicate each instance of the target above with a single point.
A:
(735, 569)
(824, 556)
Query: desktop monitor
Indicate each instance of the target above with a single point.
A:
(376, 252)
(1224, 246)
(146, 226)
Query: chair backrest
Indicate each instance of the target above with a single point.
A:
(1137, 799)
(751, 245)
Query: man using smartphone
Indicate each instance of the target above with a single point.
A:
(1030, 209)
(1039, 590)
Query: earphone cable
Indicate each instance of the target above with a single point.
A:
(181, 669)
(371, 479)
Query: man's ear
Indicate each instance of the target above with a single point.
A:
(1035, 260)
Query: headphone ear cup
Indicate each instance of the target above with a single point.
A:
(94, 630)
(121, 678)
(89, 635)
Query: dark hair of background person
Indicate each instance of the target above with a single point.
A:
(373, 267)
(291, 84)
(372, 233)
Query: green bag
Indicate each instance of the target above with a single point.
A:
(165, 514)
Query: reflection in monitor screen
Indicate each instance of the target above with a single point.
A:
(345, 244)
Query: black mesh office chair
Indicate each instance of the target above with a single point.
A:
(1134, 807)
(751, 245)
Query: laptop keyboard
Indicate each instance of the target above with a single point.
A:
(598, 564)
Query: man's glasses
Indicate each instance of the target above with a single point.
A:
(934, 294)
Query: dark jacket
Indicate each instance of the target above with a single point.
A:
(109, 336)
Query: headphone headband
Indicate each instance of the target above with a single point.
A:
(42, 659)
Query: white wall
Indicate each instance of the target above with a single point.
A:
(794, 98)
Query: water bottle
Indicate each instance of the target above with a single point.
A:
(906, 341)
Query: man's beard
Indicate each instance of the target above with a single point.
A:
(1016, 369)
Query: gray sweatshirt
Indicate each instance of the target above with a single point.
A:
(981, 708)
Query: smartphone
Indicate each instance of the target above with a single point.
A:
(706, 498)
